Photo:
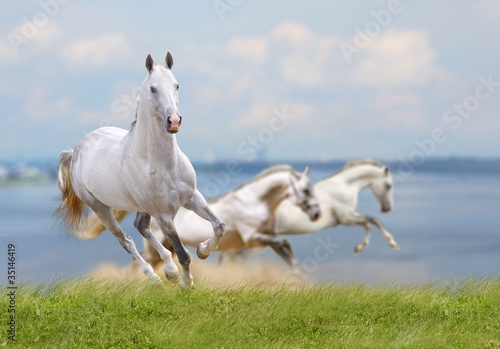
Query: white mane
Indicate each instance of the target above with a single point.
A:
(354, 163)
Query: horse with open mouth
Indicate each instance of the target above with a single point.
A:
(141, 170)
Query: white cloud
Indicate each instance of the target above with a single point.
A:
(21, 41)
(295, 52)
(255, 49)
(398, 108)
(260, 115)
(7, 54)
(396, 59)
(103, 50)
(302, 54)
(39, 105)
(48, 35)
(291, 65)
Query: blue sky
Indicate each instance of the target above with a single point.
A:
(420, 78)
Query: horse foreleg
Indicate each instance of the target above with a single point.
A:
(165, 221)
(142, 223)
(365, 221)
(387, 235)
(366, 241)
(198, 205)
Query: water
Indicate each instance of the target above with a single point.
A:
(446, 222)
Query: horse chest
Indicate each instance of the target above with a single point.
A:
(157, 188)
(176, 192)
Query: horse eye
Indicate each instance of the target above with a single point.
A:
(153, 89)
(307, 192)
(388, 186)
(177, 86)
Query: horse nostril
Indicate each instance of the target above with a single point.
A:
(317, 215)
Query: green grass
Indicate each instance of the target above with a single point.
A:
(88, 313)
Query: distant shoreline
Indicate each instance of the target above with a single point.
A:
(13, 173)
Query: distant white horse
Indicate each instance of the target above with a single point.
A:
(338, 197)
(248, 213)
(141, 170)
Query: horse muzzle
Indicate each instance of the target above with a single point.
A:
(316, 216)
(173, 123)
(314, 213)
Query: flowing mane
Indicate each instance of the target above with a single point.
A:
(268, 171)
(354, 163)
(271, 170)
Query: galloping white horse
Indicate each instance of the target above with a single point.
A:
(338, 197)
(141, 170)
(247, 211)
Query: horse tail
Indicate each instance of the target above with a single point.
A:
(94, 226)
(71, 212)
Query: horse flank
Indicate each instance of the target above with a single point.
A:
(72, 212)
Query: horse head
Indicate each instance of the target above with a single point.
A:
(160, 90)
(302, 194)
(382, 189)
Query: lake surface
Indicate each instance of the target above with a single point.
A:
(446, 222)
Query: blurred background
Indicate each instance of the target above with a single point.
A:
(415, 85)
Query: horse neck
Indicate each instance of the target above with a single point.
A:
(359, 177)
(150, 139)
(272, 189)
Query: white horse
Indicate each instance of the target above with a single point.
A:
(338, 198)
(248, 213)
(141, 170)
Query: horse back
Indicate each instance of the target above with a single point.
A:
(98, 167)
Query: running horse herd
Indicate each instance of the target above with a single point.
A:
(114, 171)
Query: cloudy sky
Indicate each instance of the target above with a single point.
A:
(312, 80)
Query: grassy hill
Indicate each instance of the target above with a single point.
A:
(121, 314)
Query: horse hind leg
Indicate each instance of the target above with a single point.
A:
(149, 253)
(143, 223)
(282, 247)
(105, 214)
(286, 253)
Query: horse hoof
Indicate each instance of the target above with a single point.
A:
(394, 245)
(358, 249)
(172, 276)
(186, 285)
(201, 254)
(295, 275)
(297, 272)
(155, 281)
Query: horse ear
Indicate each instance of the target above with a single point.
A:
(306, 170)
(386, 170)
(149, 63)
(169, 60)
